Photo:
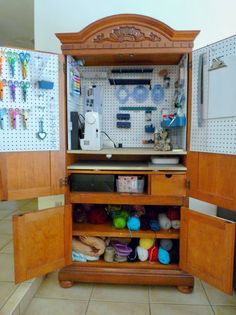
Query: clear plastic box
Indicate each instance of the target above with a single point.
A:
(130, 184)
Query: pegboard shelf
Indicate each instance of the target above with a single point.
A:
(129, 151)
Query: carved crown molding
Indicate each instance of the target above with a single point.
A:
(126, 34)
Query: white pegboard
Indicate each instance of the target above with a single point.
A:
(215, 135)
(132, 137)
(41, 104)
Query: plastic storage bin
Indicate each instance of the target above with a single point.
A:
(131, 184)
(179, 121)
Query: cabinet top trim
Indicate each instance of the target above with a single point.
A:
(132, 34)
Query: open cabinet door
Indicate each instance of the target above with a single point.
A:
(42, 242)
(207, 248)
(32, 158)
(211, 160)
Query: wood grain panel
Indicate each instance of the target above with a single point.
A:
(168, 185)
(212, 178)
(42, 242)
(107, 229)
(207, 248)
(125, 198)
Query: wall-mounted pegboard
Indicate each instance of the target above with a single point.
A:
(40, 132)
(214, 135)
(115, 97)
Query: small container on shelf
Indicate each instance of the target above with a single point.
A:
(131, 184)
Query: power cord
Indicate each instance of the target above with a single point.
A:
(109, 138)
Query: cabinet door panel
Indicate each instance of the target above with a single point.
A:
(207, 248)
(25, 175)
(212, 178)
(42, 242)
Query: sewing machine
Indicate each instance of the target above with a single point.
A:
(92, 134)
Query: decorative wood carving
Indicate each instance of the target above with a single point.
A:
(113, 39)
(126, 34)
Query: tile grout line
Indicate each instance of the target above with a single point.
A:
(208, 298)
(86, 311)
(149, 300)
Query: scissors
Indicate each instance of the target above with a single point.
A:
(24, 59)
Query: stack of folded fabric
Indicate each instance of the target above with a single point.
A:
(122, 251)
(86, 248)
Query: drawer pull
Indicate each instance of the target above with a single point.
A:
(168, 175)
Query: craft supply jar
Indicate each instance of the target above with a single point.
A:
(109, 254)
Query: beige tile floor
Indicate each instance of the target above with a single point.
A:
(7, 285)
(105, 299)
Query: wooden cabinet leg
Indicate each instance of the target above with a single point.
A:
(185, 289)
(66, 283)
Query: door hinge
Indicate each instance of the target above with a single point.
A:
(188, 184)
(64, 181)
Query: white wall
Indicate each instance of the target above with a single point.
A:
(215, 18)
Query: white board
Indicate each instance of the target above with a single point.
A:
(222, 90)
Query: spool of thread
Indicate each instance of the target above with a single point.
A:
(109, 254)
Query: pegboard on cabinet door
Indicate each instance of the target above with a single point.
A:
(130, 137)
(215, 135)
(39, 104)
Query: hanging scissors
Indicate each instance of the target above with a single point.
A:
(13, 114)
(12, 85)
(1, 62)
(12, 57)
(24, 59)
(3, 112)
(24, 86)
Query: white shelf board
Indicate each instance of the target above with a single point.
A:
(129, 151)
(120, 166)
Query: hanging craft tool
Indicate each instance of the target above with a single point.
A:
(25, 115)
(3, 112)
(75, 83)
(13, 114)
(1, 62)
(157, 94)
(2, 84)
(137, 108)
(12, 85)
(140, 94)
(24, 87)
(12, 58)
(24, 59)
(41, 134)
(122, 94)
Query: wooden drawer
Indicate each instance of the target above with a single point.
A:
(168, 185)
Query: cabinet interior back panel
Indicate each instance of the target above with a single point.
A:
(214, 135)
(41, 105)
(133, 136)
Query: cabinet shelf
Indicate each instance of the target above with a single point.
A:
(129, 151)
(108, 230)
(125, 198)
(126, 265)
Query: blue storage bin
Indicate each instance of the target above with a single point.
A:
(180, 121)
(46, 85)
